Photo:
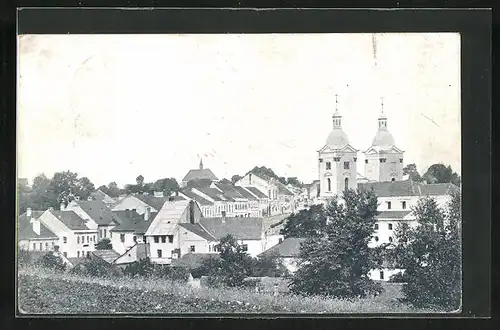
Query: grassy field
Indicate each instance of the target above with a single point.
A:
(44, 292)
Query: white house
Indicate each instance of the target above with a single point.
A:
(131, 229)
(75, 239)
(32, 235)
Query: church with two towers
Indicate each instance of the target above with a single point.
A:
(337, 159)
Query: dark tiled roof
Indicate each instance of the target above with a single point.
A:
(393, 214)
(229, 191)
(25, 228)
(198, 230)
(245, 193)
(200, 174)
(154, 202)
(99, 212)
(101, 196)
(257, 192)
(408, 188)
(70, 219)
(439, 189)
(240, 228)
(133, 221)
(193, 260)
(202, 201)
(290, 247)
(175, 198)
(215, 194)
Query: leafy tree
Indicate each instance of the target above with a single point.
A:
(232, 267)
(294, 182)
(142, 268)
(225, 181)
(84, 188)
(336, 263)
(139, 180)
(199, 183)
(53, 261)
(104, 244)
(113, 190)
(268, 266)
(167, 186)
(309, 222)
(430, 253)
(412, 172)
(439, 173)
(264, 171)
(235, 178)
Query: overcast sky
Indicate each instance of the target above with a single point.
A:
(111, 107)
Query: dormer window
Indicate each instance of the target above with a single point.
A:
(382, 160)
(336, 159)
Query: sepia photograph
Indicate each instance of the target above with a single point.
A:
(239, 173)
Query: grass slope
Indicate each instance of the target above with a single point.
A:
(46, 292)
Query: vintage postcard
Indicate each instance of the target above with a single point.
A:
(239, 173)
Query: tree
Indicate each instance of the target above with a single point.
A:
(337, 262)
(268, 266)
(113, 190)
(199, 183)
(52, 261)
(225, 181)
(309, 222)
(235, 178)
(294, 182)
(84, 188)
(167, 186)
(439, 173)
(412, 172)
(264, 171)
(139, 180)
(104, 244)
(232, 267)
(430, 254)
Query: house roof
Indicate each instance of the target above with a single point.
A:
(133, 221)
(102, 196)
(289, 248)
(198, 174)
(229, 191)
(154, 202)
(407, 188)
(99, 212)
(257, 192)
(202, 201)
(393, 214)
(282, 189)
(193, 260)
(215, 194)
(70, 219)
(107, 255)
(25, 228)
(197, 229)
(171, 211)
(245, 193)
(241, 228)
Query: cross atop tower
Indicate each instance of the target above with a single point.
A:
(336, 103)
(382, 104)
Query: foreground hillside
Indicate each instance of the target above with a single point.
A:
(40, 291)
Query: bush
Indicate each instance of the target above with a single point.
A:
(23, 257)
(144, 268)
(52, 261)
(397, 278)
(268, 266)
(95, 268)
(104, 244)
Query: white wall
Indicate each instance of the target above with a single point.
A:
(188, 239)
(120, 246)
(47, 244)
(375, 275)
(166, 247)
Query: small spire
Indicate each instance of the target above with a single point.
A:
(336, 103)
(201, 163)
(337, 121)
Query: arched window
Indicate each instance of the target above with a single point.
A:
(393, 179)
(329, 182)
(346, 183)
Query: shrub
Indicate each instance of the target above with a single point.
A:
(95, 268)
(142, 268)
(397, 278)
(104, 244)
(268, 266)
(23, 257)
(52, 261)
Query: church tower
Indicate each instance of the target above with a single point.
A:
(383, 160)
(337, 161)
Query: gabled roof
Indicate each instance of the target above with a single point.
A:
(108, 256)
(408, 188)
(289, 248)
(99, 212)
(282, 189)
(245, 193)
(437, 189)
(197, 174)
(133, 221)
(241, 228)
(171, 211)
(193, 260)
(215, 194)
(392, 214)
(154, 202)
(257, 192)
(25, 228)
(202, 201)
(100, 195)
(229, 191)
(70, 219)
(195, 228)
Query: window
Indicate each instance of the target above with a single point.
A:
(192, 248)
(157, 239)
(401, 160)
(376, 226)
(382, 160)
(88, 239)
(355, 159)
(381, 274)
(328, 165)
(158, 253)
(346, 165)
(329, 183)
(164, 239)
(46, 246)
(321, 160)
(122, 238)
(388, 205)
(65, 239)
(170, 238)
(376, 238)
(65, 254)
(104, 231)
(403, 205)
(244, 247)
(78, 254)
(390, 226)
(78, 239)
(366, 161)
(88, 254)
(250, 178)
(34, 246)
(336, 159)
(346, 184)
(135, 239)
(223, 213)
(210, 248)
(280, 240)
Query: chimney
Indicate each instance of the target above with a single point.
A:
(62, 207)
(28, 212)
(147, 213)
(36, 225)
